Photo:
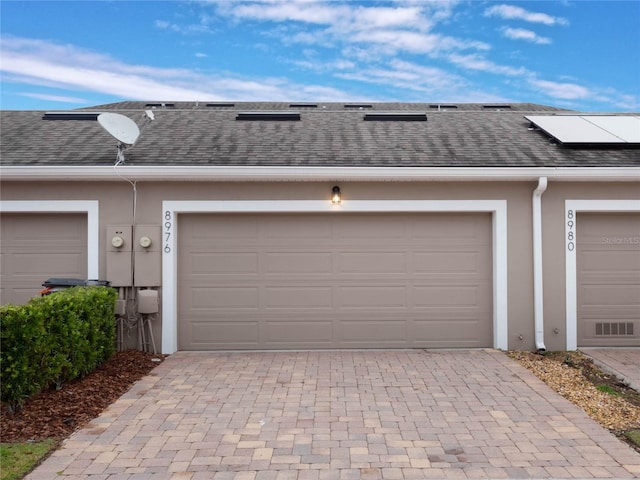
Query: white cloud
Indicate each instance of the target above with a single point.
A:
(565, 91)
(569, 93)
(37, 62)
(384, 17)
(414, 42)
(308, 12)
(190, 29)
(403, 28)
(322, 66)
(54, 98)
(623, 101)
(476, 62)
(511, 12)
(435, 82)
(526, 35)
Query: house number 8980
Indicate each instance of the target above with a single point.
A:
(571, 236)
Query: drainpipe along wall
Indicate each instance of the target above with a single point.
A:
(538, 301)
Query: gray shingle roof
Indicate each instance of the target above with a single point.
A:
(194, 134)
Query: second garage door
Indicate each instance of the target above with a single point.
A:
(37, 246)
(286, 281)
(608, 268)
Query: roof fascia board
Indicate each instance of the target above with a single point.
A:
(254, 174)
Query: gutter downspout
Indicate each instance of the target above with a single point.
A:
(538, 302)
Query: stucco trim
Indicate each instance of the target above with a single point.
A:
(171, 211)
(316, 173)
(90, 207)
(572, 208)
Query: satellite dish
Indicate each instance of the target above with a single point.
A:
(120, 127)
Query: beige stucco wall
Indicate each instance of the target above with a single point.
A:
(116, 207)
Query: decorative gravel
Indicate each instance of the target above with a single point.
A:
(575, 377)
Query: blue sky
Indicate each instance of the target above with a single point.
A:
(579, 54)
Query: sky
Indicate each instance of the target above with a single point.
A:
(576, 54)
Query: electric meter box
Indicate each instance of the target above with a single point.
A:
(119, 253)
(147, 242)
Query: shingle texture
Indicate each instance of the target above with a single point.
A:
(327, 135)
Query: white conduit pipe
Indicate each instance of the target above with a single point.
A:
(538, 301)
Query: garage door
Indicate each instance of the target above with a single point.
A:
(34, 247)
(608, 269)
(283, 281)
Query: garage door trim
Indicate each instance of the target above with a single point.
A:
(171, 211)
(572, 208)
(90, 207)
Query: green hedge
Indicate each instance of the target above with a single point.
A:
(54, 339)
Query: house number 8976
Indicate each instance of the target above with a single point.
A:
(167, 231)
(571, 236)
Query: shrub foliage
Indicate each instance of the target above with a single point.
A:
(54, 339)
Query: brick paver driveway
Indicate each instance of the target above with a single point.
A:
(341, 415)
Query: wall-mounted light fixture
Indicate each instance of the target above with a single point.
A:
(336, 196)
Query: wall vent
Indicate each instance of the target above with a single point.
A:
(609, 329)
(221, 105)
(277, 116)
(303, 105)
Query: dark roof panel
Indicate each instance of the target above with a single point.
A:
(396, 116)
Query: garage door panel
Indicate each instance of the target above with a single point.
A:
(446, 262)
(372, 262)
(231, 228)
(372, 296)
(222, 297)
(608, 270)
(452, 229)
(64, 263)
(367, 331)
(434, 296)
(448, 332)
(609, 296)
(296, 226)
(305, 262)
(614, 261)
(34, 228)
(332, 281)
(224, 334)
(223, 263)
(360, 228)
(292, 297)
(293, 333)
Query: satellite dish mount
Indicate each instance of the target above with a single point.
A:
(123, 129)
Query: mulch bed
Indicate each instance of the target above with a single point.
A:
(58, 413)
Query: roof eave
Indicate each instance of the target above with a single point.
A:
(302, 174)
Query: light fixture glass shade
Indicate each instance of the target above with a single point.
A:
(336, 196)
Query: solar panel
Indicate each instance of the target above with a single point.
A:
(627, 128)
(589, 129)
